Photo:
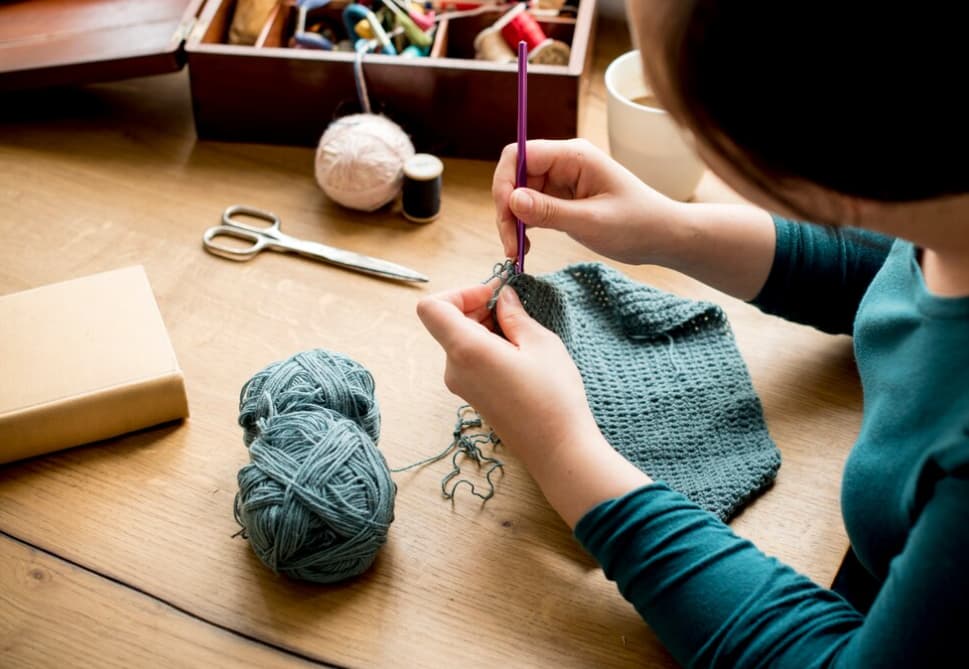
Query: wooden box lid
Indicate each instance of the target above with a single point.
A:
(55, 42)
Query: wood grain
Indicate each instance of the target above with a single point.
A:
(57, 42)
(110, 175)
(53, 613)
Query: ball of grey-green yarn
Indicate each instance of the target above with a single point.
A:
(308, 381)
(317, 499)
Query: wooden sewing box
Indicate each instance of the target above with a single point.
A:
(450, 104)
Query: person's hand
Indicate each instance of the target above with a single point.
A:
(578, 189)
(530, 392)
(526, 386)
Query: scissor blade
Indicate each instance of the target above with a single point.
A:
(359, 262)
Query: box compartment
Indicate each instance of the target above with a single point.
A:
(450, 104)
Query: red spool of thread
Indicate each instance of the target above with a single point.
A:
(518, 25)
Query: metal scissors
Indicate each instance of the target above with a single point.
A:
(271, 237)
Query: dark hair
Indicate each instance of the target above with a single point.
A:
(859, 98)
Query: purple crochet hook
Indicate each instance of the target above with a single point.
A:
(521, 178)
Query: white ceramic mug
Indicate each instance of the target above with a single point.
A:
(645, 139)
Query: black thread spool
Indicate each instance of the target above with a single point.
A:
(422, 188)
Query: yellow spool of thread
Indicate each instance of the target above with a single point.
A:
(363, 29)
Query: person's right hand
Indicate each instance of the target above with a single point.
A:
(578, 189)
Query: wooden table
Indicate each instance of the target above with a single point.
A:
(123, 553)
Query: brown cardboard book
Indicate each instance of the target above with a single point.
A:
(84, 360)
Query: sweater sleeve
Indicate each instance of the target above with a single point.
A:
(820, 273)
(717, 601)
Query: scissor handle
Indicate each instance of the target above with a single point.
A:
(258, 239)
(229, 220)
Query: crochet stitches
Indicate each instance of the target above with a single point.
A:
(664, 380)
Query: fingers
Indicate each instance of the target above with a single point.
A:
(553, 166)
(454, 314)
(519, 328)
(539, 210)
(460, 320)
(501, 187)
(562, 177)
(508, 233)
(467, 299)
(545, 156)
(446, 324)
(542, 156)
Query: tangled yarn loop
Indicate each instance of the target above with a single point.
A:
(469, 436)
(316, 500)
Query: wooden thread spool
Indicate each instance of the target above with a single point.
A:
(490, 45)
(550, 52)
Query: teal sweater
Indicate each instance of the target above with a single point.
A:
(716, 600)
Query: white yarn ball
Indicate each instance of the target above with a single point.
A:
(360, 161)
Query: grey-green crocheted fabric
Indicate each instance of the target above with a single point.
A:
(664, 379)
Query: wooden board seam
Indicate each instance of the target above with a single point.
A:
(175, 607)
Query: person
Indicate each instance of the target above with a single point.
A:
(846, 118)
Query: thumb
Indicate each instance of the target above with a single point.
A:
(517, 326)
(544, 211)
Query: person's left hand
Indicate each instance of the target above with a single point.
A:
(526, 386)
(530, 392)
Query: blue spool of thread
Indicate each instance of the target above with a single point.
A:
(305, 38)
(312, 40)
(316, 500)
(414, 51)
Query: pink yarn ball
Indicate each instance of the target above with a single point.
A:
(360, 161)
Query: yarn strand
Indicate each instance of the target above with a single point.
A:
(671, 352)
(465, 446)
(507, 273)
(359, 78)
